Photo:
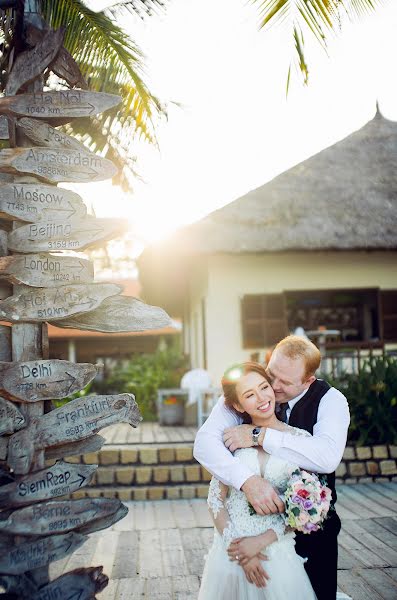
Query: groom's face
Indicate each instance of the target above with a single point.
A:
(287, 376)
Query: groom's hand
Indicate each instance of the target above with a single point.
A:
(263, 497)
(240, 436)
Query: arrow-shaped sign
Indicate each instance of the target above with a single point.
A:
(46, 270)
(119, 314)
(33, 202)
(33, 381)
(56, 105)
(76, 420)
(42, 134)
(53, 482)
(80, 584)
(40, 552)
(50, 304)
(91, 444)
(55, 165)
(10, 418)
(58, 516)
(56, 235)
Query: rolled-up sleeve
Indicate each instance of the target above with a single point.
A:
(210, 451)
(324, 450)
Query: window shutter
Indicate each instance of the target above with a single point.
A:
(264, 321)
(389, 314)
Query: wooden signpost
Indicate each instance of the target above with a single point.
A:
(34, 202)
(30, 64)
(75, 421)
(58, 516)
(42, 134)
(49, 304)
(118, 314)
(67, 104)
(10, 417)
(91, 444)
(57, 165)
(39, 552)
(32, 381)
(80, 584)
(52, 482)
(56, 235)
(46, 270)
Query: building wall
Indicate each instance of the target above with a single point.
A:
(230, 277)
(195, 317)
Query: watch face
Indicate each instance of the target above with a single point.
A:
(256, 430)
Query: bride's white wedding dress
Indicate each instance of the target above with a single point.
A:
(224, 579)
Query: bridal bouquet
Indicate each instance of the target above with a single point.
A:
(307, 502)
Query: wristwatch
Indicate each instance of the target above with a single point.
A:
(255, 435)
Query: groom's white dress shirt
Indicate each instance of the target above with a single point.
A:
(321, 453)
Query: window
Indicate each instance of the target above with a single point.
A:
(263, 320)
(389, 314)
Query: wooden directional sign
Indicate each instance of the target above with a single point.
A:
(42, 134)
(57, 165)
(80, 584)
(49, 304)
(38, 553)
(58, 516)
(37, 380)
(91, 444)
(75, 421)
(32, 63)
(53, 482)
(10, 418)
(46, 270)
(56, 235)
(104, 522)
(118, 314)
(34, 202)
(55, 105)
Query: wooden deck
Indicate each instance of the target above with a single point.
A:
(148, 433)
(157, 552)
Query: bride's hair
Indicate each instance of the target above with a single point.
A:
(231, 377)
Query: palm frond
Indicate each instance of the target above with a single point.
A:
(139, 8)
(321, 18)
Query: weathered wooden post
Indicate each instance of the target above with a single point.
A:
(36, 527)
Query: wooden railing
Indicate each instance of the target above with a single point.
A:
(339, 359)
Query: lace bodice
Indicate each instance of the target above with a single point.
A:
(276, 471)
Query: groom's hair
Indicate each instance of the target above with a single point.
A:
(294, 346)
(230, 379)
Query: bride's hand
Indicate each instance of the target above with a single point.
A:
(262, 496)
(247, 547)
(255, 573)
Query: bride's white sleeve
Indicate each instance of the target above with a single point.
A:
(216, 501)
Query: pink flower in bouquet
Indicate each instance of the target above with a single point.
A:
(307, 502)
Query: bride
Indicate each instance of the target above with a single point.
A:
(237, 567)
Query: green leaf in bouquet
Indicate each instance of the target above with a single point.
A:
(295, 511)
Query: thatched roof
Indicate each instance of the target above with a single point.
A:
(344, 197)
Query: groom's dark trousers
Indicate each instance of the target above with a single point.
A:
(320, 548)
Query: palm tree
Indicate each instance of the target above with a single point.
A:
(109, 61)
(320, 18)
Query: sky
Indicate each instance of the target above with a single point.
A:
(230, 126)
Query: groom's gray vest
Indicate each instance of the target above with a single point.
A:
(304, 416)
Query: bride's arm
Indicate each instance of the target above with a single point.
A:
(216, 501)
(247, 547)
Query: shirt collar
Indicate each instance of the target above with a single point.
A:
(292, 402)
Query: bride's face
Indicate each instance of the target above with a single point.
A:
(255, 396)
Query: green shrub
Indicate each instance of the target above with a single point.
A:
(372, 397)
(143, 375)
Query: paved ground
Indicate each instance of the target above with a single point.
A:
(157, 551)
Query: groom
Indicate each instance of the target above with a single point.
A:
(305, 402)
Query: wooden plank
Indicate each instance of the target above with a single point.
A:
(66, 68)
(57, 165)
(42, 134)
(356, 512)
(56, 235)
(30, 381)
(377, 530)
(365, 503)
(388, 555)
(379, 581)
(91, 444)
(34, 202)
(5, 342)
(52, 482)
(59, 516)
(49, 304)
(368, 490)
(10, 417)
(120, 314)
(389, 523)
(357, 549)
(46, 270)
(357, 588)
(105, 522)
(19, 585)
(75, 421)
(61, 104)
(80, 584)
(30, 64)
(4, 133)
(38, 553)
